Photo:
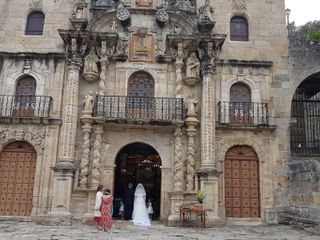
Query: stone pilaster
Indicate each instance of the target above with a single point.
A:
(179, 165)
(96, 163)
(104, 64)
(85, 155)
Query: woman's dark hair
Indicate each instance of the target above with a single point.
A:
(99, 188)
(107, 191)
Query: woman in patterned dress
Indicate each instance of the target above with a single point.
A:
(106, 207)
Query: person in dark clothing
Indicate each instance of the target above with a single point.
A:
(128, 202)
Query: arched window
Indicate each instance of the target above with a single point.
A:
(240, 108)
(141, 102)
(240, 92)
(35, 23)
(141, 84)
(239, 29)
(26, 86)
(25, 99)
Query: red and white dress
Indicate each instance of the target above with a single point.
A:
(97, 206)
(106, 215)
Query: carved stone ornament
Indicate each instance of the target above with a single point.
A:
(184, 5)
(142, 46)
(162, 17)
(122, 14)
(36, 4)
(104, 3)
(144, 3)
(240, 5)
(33, 135)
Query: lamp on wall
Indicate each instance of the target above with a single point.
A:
(287, 12)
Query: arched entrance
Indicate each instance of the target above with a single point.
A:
(241, 175)
(17, 170)
(305, 118)
(138, 163)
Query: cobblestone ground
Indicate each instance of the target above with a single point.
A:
(125, 230)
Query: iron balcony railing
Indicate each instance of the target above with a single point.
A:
(139, 108)
(25, 106)
(243, 113)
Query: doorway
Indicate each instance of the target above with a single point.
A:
(138, 163)
(17, 170)
(242, 196)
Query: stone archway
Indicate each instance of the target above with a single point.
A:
(242, 194)
(138, 163)
(17, 174)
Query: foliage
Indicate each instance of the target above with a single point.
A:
(314, 34)
(200, 196)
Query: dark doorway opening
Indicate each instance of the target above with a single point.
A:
(138, 163)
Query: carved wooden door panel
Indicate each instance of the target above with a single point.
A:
(242, 197)
(24, 104)
(140, 103)
(241, 108)
(17, 170)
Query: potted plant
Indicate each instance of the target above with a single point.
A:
(200, 196)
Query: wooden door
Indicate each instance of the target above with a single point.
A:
(242, 196)
(17, 170)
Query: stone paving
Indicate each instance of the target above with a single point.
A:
(125, 230)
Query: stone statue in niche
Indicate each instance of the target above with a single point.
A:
(192, 107)
(88, 102)
(90, 69)
(193, 66)
(192, 71)
(113, 26)
(79, 10)
(206, 12)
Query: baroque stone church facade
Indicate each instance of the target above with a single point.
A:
(181, 95)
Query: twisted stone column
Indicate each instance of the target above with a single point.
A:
(178, 169)
(96, 163)
(85, 155)
(179, 64)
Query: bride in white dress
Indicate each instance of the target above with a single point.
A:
(140, 214)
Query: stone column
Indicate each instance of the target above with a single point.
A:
(176, 196)
(85, 155)
(64, 169)
(191, 123)
(96, 163)
(179, 64)
(179, 166)
(104, 64)
(208, 117)
(208, 174)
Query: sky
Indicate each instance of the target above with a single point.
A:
(303, 11)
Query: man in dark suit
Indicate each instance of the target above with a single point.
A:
(128, 202)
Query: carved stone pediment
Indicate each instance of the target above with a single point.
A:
(34, 135)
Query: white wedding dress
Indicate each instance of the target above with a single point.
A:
(140, 214)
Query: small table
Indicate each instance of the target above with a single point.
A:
(186, 211)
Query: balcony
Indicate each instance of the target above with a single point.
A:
(31, 107)
(243, 114)
(124, 109)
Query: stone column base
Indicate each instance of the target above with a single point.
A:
(59, 218)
